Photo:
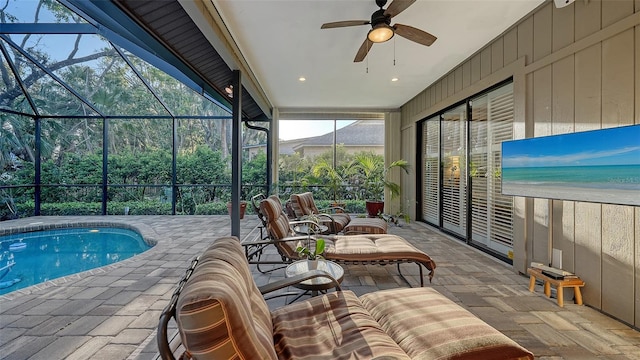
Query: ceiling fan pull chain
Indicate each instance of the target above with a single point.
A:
(367, 58)
(394, 52)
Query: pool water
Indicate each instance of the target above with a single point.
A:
(31, 258)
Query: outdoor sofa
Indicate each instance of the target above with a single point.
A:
(221, 314)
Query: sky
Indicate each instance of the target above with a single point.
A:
(296, 129)
(616, 146)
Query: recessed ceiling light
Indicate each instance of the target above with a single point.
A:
(394, 79)
(302, 78)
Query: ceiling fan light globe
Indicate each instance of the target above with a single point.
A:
(380, 33)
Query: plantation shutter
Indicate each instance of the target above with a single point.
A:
(454, 175)
(501, 129)
(431, 171)
(491, 212)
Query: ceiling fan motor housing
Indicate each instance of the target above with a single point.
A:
(379, 17)
(381, 3)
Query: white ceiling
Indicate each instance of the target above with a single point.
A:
(281, 41)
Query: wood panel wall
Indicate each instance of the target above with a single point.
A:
(574, 69)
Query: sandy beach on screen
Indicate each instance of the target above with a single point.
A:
(608, 196)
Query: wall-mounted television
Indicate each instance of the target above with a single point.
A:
(600, 166)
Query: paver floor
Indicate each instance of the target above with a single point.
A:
(112, 312)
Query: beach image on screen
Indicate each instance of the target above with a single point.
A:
(595, 166)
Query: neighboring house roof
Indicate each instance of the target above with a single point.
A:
(358, 133)
(287, 146)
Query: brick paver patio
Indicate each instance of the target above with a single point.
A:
(112, 312)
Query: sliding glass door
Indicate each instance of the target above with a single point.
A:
(461, 178)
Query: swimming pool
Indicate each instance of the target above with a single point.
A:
(31, 258)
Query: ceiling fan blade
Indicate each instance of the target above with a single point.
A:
(398, 6)
(413, 34)
(364, 50)
(346, 23)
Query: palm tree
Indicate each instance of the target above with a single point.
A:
(374, 179)
(324, 168)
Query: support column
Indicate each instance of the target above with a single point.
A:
(275, 149)
(236, 153)
(392, 152)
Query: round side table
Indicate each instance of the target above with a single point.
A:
(316, 284)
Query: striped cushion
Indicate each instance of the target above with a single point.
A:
(278, 225)
(366, 226)
(339, 220)
(375, 247)
(220, 312)
(303, 204)
(332, 326)
(277, 221)
(427, 325)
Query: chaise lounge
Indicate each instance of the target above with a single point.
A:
(221, 314)
(304, 205)
(380, 249)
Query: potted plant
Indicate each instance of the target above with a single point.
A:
(375, 179)
(312, 255)
(243, 208)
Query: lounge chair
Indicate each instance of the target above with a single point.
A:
(335, 218)
(220, 313)
(304, 205)
(380, 249)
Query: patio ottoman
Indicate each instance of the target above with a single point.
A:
(365, 226)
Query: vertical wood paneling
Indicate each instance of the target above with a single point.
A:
(451, 84)
(587, 18)
(588, 251)
(433, 95)
(617, 221)
(458, 79)
(438, 91)
(427, 99)
(510, 46)
(588, 217)
(541, 231)
(617, 261)
(475, 68)
(542, 95)
(563, 27)
(563, 232)
(485, 62)
(528, 132)
(588, 80)
(542, 32)
(637, 266)
(563, 96)
(497, 55)
(445, 87)
(466, 73)
(617, 80)
(563, 122)
(637, 74)
(525, 40)
(613, 11)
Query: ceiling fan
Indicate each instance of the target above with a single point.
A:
(381, 28)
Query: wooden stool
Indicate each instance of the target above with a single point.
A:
(573, 282)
